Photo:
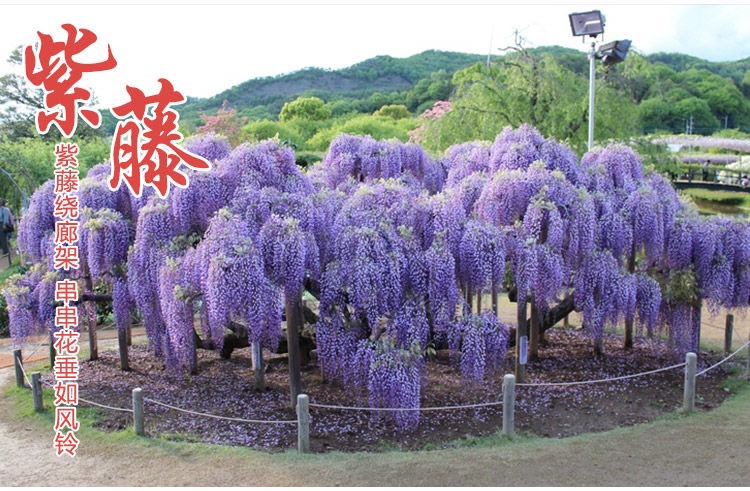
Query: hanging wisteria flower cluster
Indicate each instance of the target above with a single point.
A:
(395, 245)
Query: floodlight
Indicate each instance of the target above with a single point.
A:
(613, 52)
(587, 23)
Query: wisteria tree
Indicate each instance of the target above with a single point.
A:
(400, 251)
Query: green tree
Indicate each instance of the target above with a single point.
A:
(723, 97)
(522, 88)
(305, 108)
(698, 113)
(394, 111)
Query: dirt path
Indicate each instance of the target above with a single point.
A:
(707, 449)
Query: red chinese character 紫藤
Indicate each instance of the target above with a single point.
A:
(66, 444)
(144, 148)
(66, 291)
(66, 393)
(52, 66)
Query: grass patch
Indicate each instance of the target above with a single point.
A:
(727, 198)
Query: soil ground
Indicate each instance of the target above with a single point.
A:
(223, 387)
(708, 449)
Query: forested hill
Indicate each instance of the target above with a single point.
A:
(383, 74)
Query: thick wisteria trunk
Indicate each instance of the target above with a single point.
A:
(695, 327)
(469, 300)
(535, 331)
(193, 361)
(599, 345)
(522, 332)
(52, 352)
(629, 318)
(122, 341)
(259, 380)
(91, 318)
(293, 307)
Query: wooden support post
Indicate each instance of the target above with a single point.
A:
(52, 352)
(293, 307)
(479, 301)
(17, 363)
(509, 401)
(534, 332)
(688, 400)
(303, 423)
(522, 336)
(91, 322)
(122, 341)
(257, 358)
(728, 328)
(138, 412)
(90, 310)
(630, 319)
(36, 389)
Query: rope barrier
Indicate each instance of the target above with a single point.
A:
(393, 409)
(722, 361)
(582, 382)
(240, 420)
(122, 409)
(24, 374)
(400, 409)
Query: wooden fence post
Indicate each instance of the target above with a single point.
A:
(36, 390)
(303, 423)
(17, 363)
(728, 328)
(509, 401)
(138, 411)
(688, 400)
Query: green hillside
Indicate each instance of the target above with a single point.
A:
(264, 97)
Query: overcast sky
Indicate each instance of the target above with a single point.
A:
(205, 49)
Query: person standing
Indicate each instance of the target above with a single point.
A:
(7, 226)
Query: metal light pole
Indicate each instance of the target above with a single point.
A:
(589, 24)
(592, 24)
(592, 92)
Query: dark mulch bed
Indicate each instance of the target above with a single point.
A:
(224, 387)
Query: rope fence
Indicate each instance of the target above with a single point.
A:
(214, 416)
(304, 405)
(702, 372)
(403, 409)
(25, 376)
(104, 406)
(601, 380)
